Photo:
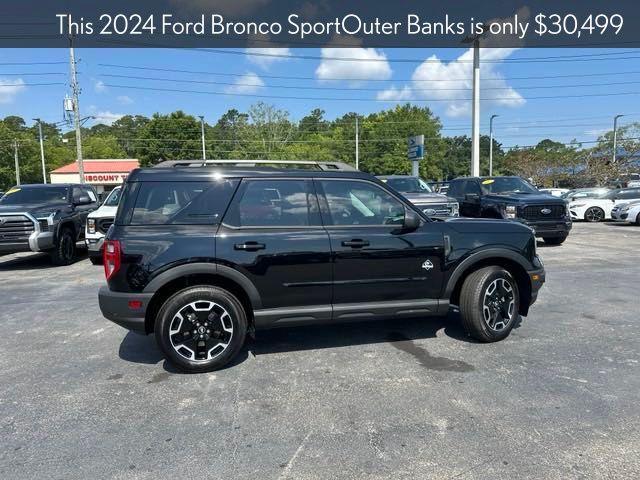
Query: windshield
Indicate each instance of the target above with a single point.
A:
(31, 195)
(408, 185)
(507, 185)
(114, 198)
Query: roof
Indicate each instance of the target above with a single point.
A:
(207, 172)
(101, 166)
(389, 177)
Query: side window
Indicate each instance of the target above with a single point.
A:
(182, 203)
(274, 203)
(629, 194)
(472, 187)
(360, 203)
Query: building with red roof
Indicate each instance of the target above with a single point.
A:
(103, 174)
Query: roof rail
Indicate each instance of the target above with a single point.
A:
(337, 166)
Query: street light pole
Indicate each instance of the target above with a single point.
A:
(357, 145)
(76, 109)
(15, 157)
(44, 170)
(475, 128)
(615, 136)
(204, 148)
(491, 144)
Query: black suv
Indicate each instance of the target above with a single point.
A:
(45, 218)
(516, 199)
(201, 256)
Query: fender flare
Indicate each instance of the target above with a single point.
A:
(207, 269)
(478, 256)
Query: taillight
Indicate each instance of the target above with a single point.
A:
(111, 257)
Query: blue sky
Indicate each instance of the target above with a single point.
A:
(439, 76)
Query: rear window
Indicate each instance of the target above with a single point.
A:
(182, 203)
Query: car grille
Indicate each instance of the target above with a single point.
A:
(15, 228)
(437, 209)
(534, 212)
(104, 224)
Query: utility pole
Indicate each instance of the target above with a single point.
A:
(204, 148)
(15, 156)
(491, 144)
(44, 170)
(357, 146)
(76, 109)
(615, 136)
(475, 127)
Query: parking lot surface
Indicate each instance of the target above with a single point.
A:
(83, 398)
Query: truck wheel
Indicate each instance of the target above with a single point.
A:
(638, 220)
(65, 249)
(489, 304)
(96, 260)
(200, 329)
(554, 240)
(594, 214)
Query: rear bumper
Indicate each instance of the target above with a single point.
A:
(116, 306)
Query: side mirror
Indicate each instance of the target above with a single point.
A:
(411, 220)
(83, 200)
(472, 197)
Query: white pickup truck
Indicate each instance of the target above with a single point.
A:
(98, 222)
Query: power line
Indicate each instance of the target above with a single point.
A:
(296, 87)
(29, 84)
(421, 100)
(32, 63)
(287, 77)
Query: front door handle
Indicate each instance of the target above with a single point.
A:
(249, 246)
(355, 243)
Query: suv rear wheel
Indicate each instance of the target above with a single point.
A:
(65, 249)
(489, 304)
(200, 329)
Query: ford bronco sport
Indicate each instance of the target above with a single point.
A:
(202, 256)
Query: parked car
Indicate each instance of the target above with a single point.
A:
(516, 199)
(556, 192)
(585, 193)
(420, 194)
(45, 218)
(98, 223)
(599, 208)
(201, 256)
(627, 212)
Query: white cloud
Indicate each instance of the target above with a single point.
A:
(452, 83)
(107, 117)
(124, 100)
(99, 86)
(9, 88)
(263, 58)
(369, 64)
(247, 83)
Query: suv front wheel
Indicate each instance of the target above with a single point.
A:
(200, 329)
(489, 304)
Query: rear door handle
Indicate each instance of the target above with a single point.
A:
(355, 243)
(249, 246)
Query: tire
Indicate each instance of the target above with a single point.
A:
(594, 214)
(95, 260)
(477, 316)
(638, 220)
(64, 251)
(554, 240)
(217, 319)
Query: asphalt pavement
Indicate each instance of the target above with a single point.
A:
(559, 399)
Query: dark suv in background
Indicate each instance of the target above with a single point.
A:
(45, 218)
(418, 192)
(201, 256)
(516, 199)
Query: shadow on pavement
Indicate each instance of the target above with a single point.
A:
(36, 261)
(401, 333)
